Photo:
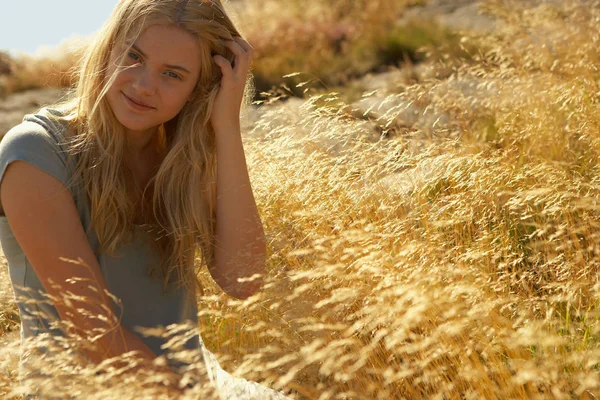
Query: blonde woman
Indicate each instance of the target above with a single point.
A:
(135, 175)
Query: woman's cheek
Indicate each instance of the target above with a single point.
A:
(176, 98)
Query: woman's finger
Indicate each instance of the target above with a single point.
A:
(224, 64)
(235, 48)
(243, 58)
(244, 44)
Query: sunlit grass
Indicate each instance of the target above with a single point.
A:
(55, 69)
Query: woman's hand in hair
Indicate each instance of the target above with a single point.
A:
(226, 109)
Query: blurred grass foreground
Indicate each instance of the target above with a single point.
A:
(432, 228)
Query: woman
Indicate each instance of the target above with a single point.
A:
(143, 166)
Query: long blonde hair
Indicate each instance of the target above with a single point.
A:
(181, 206)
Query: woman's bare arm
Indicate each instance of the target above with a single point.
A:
(240, 249)
(45, 221)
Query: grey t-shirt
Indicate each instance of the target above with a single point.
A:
(39, 141)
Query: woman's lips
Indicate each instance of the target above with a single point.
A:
(135, 104)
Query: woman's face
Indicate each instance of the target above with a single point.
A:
(163, 66)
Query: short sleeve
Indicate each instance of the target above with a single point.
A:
(32, 143)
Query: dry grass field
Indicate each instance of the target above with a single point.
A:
(432, 234)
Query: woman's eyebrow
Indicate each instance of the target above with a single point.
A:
(136, 48)
(177, 67)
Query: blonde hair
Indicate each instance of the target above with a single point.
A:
(179, 202)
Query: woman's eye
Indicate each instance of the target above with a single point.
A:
(172, 74)
(133, 56)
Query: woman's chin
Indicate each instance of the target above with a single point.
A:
(134, 124)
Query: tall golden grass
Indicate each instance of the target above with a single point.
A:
(55, 68)
(459, 261)
(329, 42)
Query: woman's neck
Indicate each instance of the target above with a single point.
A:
(141, 144)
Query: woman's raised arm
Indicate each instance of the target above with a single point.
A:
(240, 248)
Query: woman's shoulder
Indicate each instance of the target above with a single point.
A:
(47, 128)
(49, 121)
(40, 141)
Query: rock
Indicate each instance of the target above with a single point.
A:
(405, 183)
(468, 93)
(468, 18)
(388, 111)
(458, 15)
(384, 82)
(271, 120)
(301, 121)
(395, 111)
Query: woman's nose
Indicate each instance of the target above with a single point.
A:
(143, 83)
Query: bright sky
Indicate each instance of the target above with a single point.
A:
(27, 25)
